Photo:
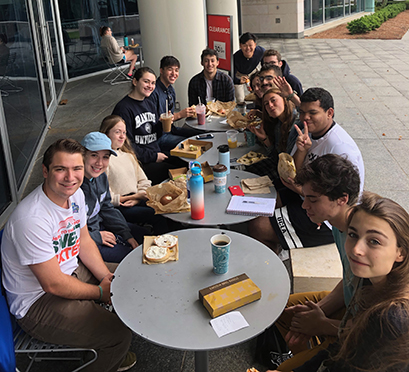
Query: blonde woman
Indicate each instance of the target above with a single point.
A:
(127, 180)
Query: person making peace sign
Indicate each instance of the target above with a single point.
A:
(290, 226)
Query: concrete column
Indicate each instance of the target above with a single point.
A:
(170, 27)
(226, 7)
(369, 5)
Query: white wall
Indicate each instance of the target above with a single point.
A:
(260, 16)
(174, 27)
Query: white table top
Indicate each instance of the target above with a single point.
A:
(160, 302)
(212, 155)
(213, 123)
(216, 204)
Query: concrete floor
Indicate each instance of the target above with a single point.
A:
(369, 82)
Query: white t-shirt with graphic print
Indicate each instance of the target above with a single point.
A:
(37, 231)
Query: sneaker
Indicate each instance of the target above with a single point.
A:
(278, 358)
(129, 362)
(284, 254)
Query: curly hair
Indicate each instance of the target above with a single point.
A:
(270, 123)
(331, 175)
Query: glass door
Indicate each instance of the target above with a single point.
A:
(47, 46)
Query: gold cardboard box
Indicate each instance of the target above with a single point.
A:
(207, 173)
(228, 295)
(184, 151)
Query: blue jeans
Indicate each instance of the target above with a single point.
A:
(141, 213)
(122, 248)
(169, 141)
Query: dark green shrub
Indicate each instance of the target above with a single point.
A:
(370, 22)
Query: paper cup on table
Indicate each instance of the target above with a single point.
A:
(166, 122)
(232, 138)
(220, 252)
(201, 113)
(220, 178)
(250, 138)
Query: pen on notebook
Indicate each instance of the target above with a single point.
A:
(252, 202)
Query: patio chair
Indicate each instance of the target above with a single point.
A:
(117, 74)
(6, 84)
(36, 350)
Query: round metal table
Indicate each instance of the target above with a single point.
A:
(160, 302)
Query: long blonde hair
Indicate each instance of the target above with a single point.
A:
(108, 123)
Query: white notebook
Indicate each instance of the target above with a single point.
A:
(251, 206)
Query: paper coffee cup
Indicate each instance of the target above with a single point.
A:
(220, 252)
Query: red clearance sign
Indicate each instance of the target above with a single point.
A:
(220, 38)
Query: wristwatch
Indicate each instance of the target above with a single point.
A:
(291, 95)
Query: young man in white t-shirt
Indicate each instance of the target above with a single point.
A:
(290, 226)
(43, 278)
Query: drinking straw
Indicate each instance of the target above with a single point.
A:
(166, 107)
(200, 102)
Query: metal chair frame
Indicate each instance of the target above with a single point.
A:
(117, 75)
(5, 83)
(35, 349)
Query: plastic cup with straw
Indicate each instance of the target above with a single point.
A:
(166, 119)
(201, 112)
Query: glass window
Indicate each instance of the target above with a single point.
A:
(356, 6)
(307, 14)
(347, 8)
(5, 192)
(317, 8)
(81, 21)
(19, 85)
(334, 9)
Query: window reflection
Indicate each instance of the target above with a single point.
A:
(334, 9)
(5, 192)
(317, 12)
(81, 21)
(22, 103)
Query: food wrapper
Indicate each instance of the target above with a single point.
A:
(178, 205)
(221, 108)
(238, 121)
(251, 157)
(250, 97)
(259, 185)
(148, 242)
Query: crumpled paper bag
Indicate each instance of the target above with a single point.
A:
(178, 205)
(260, 185)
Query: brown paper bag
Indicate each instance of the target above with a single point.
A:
(178, 205)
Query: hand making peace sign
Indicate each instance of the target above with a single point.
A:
(303, 140)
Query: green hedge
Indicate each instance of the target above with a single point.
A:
(371, 22)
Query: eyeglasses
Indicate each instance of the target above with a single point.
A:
(267, 77)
